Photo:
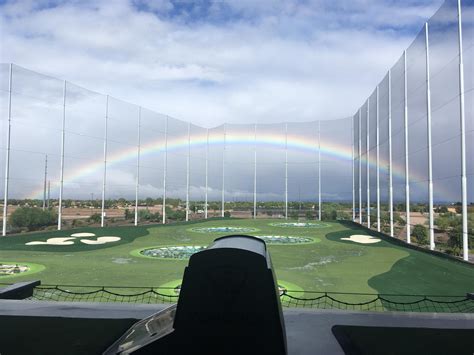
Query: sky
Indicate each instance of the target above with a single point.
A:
(234, 62)
(211, 62)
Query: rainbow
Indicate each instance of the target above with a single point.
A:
(280, 141)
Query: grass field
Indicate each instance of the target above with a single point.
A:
(329, 264)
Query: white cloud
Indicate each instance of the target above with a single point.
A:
(233, 61)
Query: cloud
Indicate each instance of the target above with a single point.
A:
(212, 62)
(205, 62)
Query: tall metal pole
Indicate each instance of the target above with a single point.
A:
(165, 167)
(378, 160)
(223, 177)
(207, 166)
(286, 170)
(188, 159)
(360, 169)
(407, 163)
(255, 174)
(430, 154)
(353, 171)
(137, 186)
(390, 168)
(463, 140)
(61, 178)
(45, 180)
(104, 179)
(368, 164)
(319, 171)
(7, 157)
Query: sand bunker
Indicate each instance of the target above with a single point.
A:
(83, 235)
(362, 239)
(101, 240)
(54, 241)
(70, 240)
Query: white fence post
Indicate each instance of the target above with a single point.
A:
(7, 153)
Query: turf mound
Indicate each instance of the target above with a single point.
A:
(300, 225)
(283, 239)
(223, 229)
(12, 269)
(171, 252)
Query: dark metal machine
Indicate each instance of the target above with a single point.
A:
(229, 304)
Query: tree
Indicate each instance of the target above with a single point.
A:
(420, 233)
(129, 214)
(95, 218)
(32, 218)
(455, 240)
(309, 215)
(442, 209)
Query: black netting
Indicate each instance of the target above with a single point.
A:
(294, 299)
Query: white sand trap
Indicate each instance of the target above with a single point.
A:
(82, 235)
(54, 241)
(362, 239)
(101, 240)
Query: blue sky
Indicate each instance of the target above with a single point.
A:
(211, 62)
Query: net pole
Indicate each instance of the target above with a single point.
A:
(165, 166)
(137, 185)
(206, 176)
(7, 153)
(360, 169)
(463, 139)
(378, 158)
(353, 171)
(45, 180)
(319, 170)
(255, 175)
(104, 179)
(286, 170)
(187, 171)
(390, 167)
(430, 147)
(61, 178)
(368, 163)
(407, 162)
(223, 176)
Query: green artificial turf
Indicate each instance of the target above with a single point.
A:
(331, 265)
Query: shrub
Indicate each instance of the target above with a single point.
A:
(148, 216)
(32, 218)
(455, 239)
(129, 214)
(227, 214)
(95, 218)
(420, 233)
